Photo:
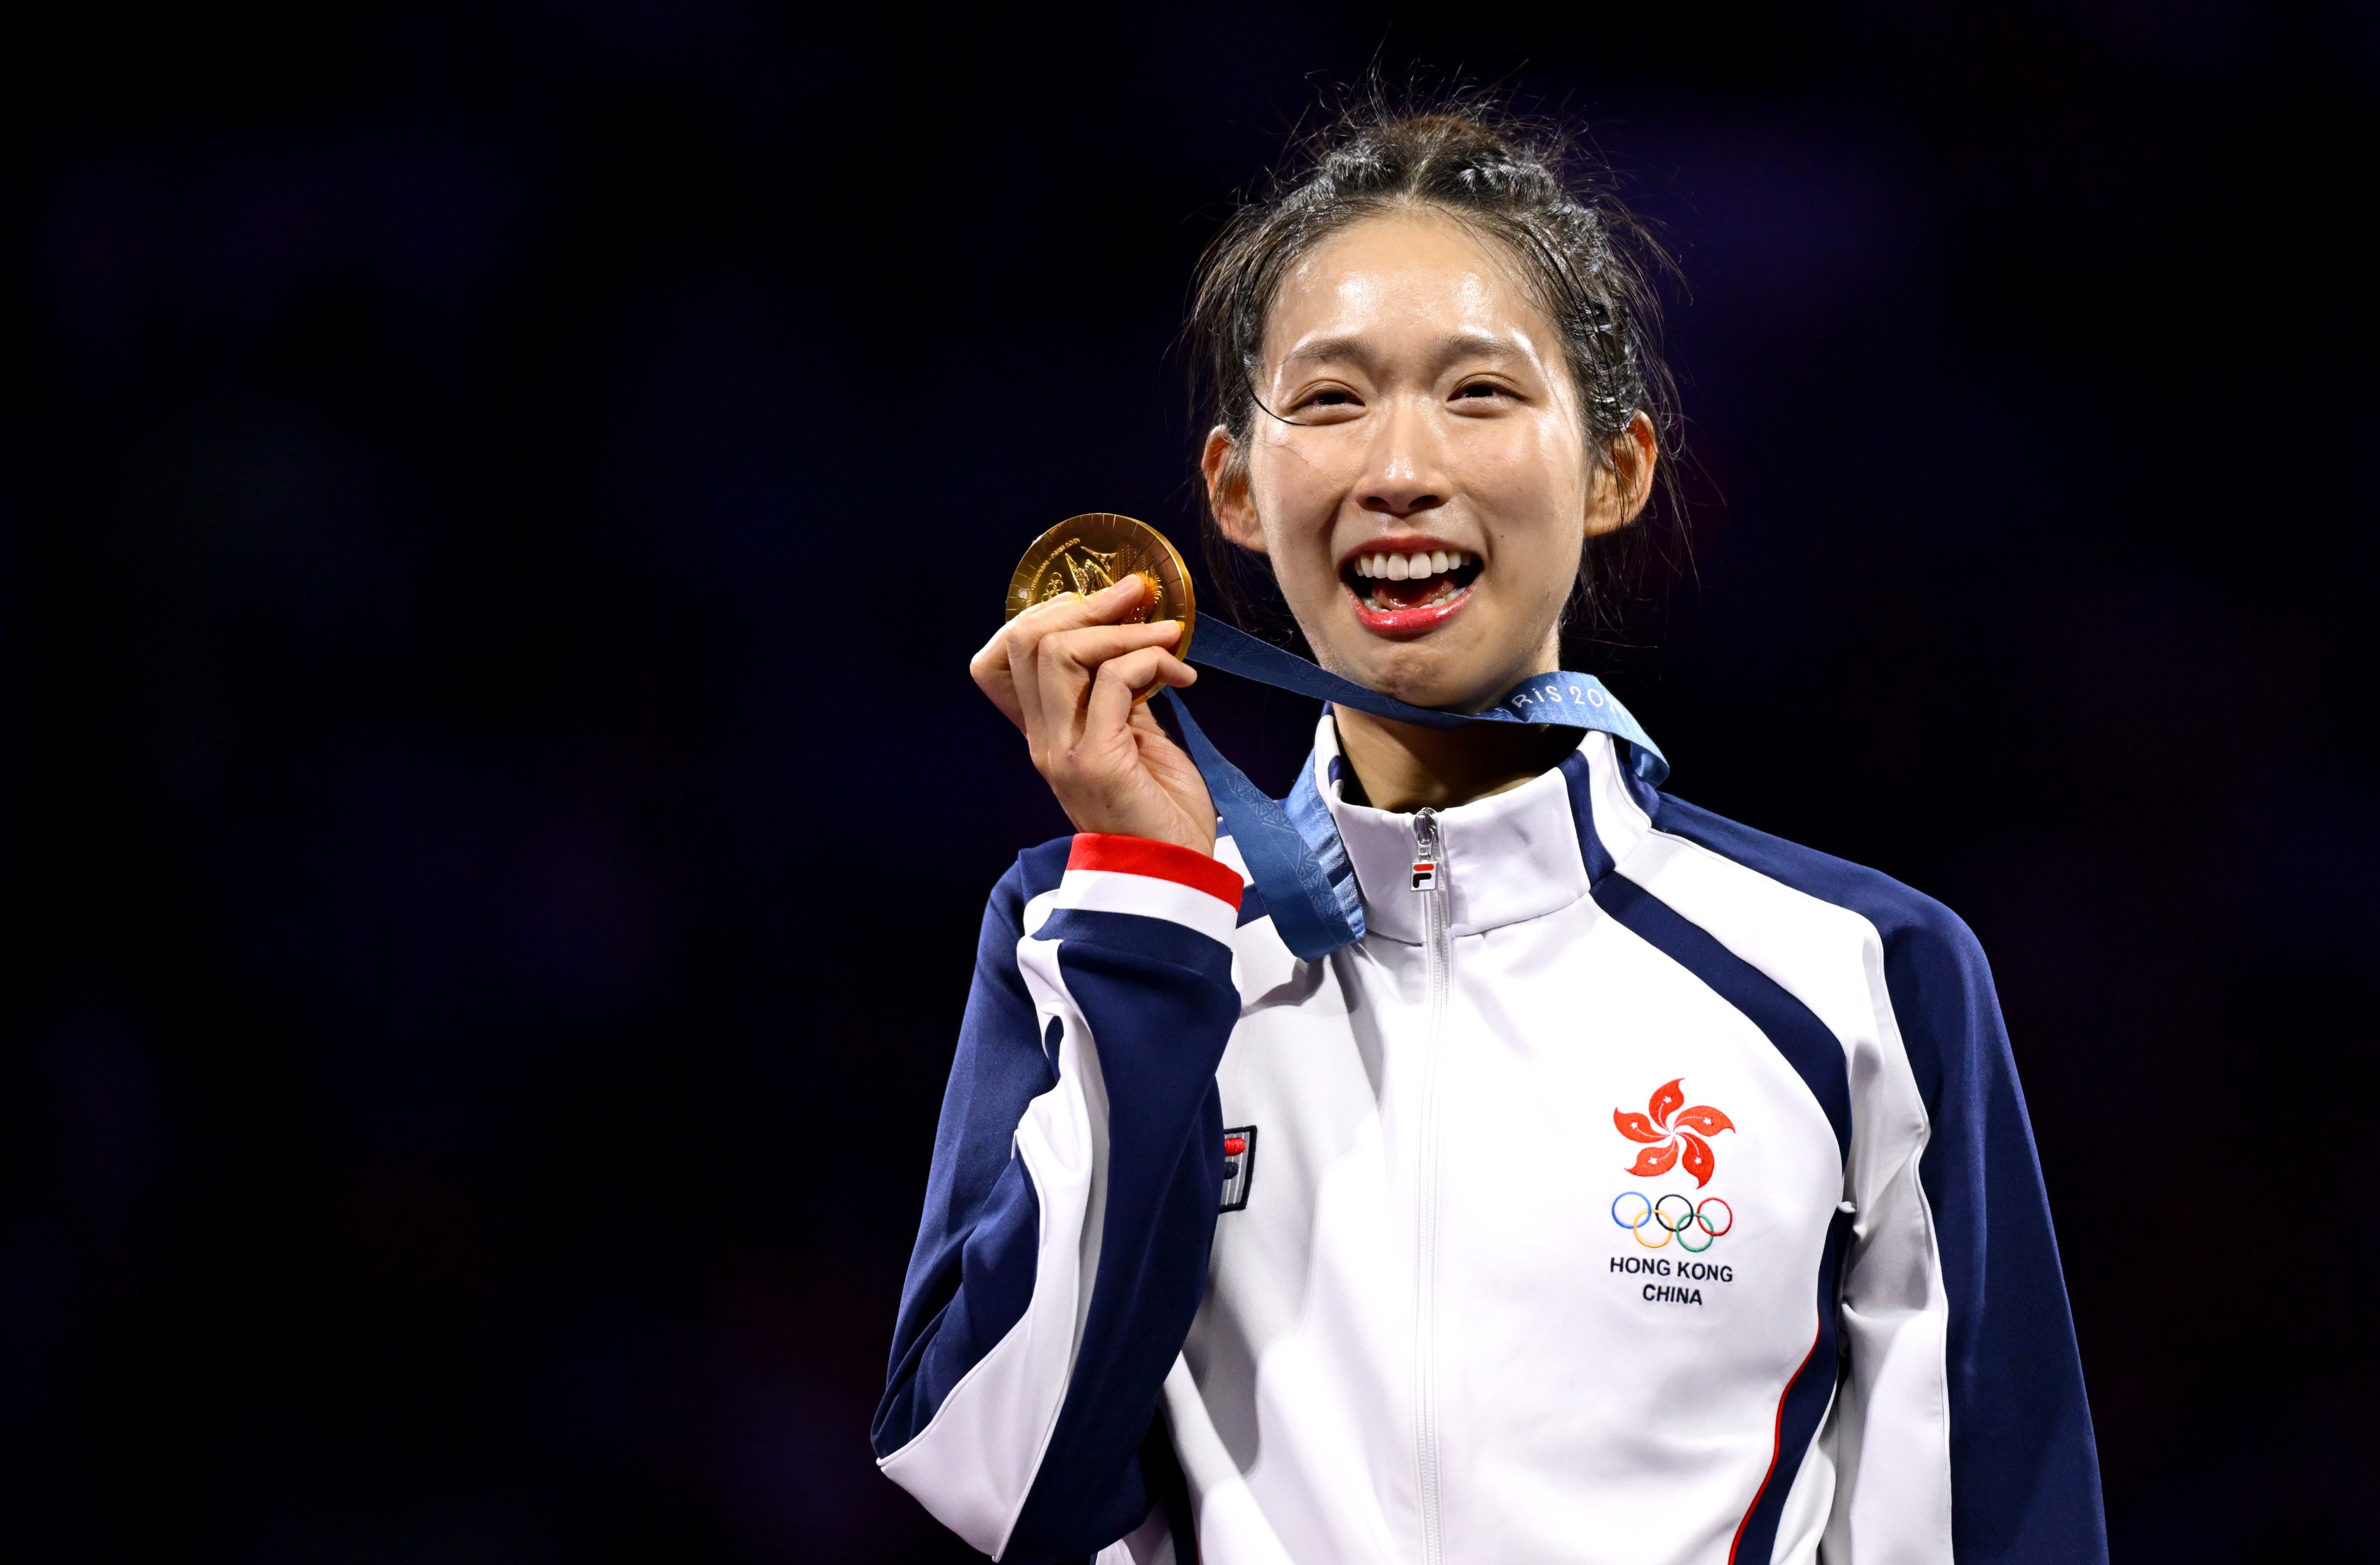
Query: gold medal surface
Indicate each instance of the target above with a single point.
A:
(1085, 554)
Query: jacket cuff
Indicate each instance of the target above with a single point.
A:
(1134, 874)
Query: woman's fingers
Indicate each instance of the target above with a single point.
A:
(992, 666)
(1054, 686)
(1069, 674)
(1116, 689)
(990, 671)
(1001, 668)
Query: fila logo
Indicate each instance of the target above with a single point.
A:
(1239, 1165)
(1425, 874)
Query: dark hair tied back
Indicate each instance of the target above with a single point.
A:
(1585, 258)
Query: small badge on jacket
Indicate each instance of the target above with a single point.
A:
(1239, 1165)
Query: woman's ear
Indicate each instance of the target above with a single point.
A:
(1618, 494)
(1225, 467)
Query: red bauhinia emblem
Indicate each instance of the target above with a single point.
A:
(1671, 1130)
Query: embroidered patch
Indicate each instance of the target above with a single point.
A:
(1239, 1165)
(1668, 1128)
(1671, 1137)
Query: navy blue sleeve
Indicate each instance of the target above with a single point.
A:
(2024, 1467)
(971, 1271)
(1156, 1005)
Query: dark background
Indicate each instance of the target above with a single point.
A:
(495, 502)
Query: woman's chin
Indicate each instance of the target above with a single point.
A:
(1426, 655)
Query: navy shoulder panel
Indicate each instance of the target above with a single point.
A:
(1883, 901)
(1928, 950)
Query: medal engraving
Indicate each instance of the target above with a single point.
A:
(1086, 554)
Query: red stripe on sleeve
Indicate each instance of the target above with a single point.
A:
(1160, 860)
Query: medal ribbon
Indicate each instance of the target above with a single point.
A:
(1291, 846)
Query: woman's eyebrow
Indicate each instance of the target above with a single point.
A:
(1475, 345)
(1324, 350)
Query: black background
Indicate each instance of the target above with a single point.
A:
(497, 501)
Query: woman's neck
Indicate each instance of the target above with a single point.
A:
(1398, 767)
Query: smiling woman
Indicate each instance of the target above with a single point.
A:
(1409, 403)
(1579, 260)
(1422, 1329)
(1407, 363)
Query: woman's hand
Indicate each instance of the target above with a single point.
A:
(1065, 672)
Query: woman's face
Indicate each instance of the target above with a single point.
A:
(1422, 484)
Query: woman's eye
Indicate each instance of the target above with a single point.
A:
(1480, 391)
(1325, 400)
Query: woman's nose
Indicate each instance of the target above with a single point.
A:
(1407, 472)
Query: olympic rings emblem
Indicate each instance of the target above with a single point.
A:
(1692, 1220)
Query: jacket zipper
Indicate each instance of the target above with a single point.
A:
(1430, 883)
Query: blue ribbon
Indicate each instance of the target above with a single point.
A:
(1292, 846)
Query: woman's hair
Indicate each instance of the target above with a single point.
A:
(1527, 187)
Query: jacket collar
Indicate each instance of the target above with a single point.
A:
(1503, 859)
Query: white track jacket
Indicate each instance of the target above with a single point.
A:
(1640, 1189)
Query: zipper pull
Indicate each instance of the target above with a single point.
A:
(1425, 870)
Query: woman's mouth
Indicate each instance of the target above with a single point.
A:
(1406, 591)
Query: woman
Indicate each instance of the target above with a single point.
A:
(1638, 1188)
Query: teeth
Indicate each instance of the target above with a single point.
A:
(1408, 567)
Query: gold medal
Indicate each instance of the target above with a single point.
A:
(1085, 554)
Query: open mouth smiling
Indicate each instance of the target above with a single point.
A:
(1403, 588)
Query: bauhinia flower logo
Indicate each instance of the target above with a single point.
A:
(1671, 1131)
